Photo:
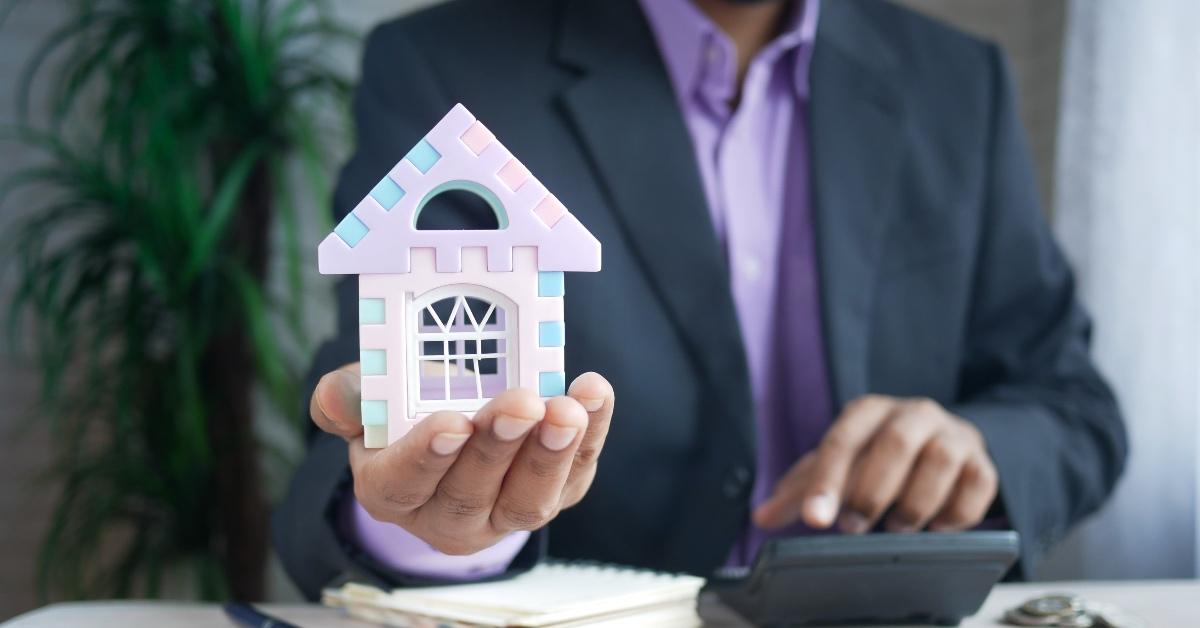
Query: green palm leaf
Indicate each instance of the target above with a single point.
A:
(142, 278)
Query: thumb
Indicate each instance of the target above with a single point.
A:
(336, 406)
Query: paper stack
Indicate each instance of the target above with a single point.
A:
(552, 594)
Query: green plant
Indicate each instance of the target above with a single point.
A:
(142, 275)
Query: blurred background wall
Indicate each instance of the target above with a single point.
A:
(1031, 31)
(24, 505)
(1128, 198)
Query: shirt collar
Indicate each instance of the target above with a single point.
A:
(701, 59)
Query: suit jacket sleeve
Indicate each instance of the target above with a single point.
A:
(1051, 423)
(397, 100)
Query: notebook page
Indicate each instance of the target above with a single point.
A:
(676, 615)
(550, 593)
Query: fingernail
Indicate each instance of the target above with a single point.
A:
(591, 405)
(556, 437)
(348, 387)
(510, 428)
(343, 387)
(348, 383)
(895, 525)
(823, 508)
(447, 443)
(853, 523)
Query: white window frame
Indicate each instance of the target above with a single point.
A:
(414, 309)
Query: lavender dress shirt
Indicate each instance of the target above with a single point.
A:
(753, 161)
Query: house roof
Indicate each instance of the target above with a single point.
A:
(458, 153)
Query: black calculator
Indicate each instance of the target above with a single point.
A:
(894, 579)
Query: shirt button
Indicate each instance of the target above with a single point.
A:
(737, 480)
(712, 54)
(751, 268)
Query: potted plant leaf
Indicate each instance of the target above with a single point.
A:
(162, 174)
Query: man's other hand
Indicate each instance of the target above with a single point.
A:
(908, 458)
(462, 484)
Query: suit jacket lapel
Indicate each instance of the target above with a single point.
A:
(626, 115)
(855, 119)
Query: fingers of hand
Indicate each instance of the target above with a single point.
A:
(393, 482)
(812, 493)
(884, 467)
(464, 499)
(973, 494)
(335, 404)
(595, 395)
(929, 484)
(883, 452)
(462, 484)
(788, 503)
(532, 491)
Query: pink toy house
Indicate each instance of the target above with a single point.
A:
(448, 319)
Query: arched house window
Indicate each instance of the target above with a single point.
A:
(449, 318)
(461, 348)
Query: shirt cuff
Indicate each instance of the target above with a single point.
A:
(397, 549)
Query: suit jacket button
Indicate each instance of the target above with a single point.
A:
(736, 483)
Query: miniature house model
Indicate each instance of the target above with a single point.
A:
(448, 319)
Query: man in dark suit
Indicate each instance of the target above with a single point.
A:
(829, 299)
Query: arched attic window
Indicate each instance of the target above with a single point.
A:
(460, 205)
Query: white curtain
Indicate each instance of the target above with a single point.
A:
(1128, 212)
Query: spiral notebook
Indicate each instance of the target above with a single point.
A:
(551, 594)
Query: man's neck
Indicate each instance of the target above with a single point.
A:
(750, 25)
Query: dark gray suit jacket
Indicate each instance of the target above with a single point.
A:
(939, 277)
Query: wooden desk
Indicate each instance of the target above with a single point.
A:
(1161, 604)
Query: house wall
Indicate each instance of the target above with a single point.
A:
(539, 368)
